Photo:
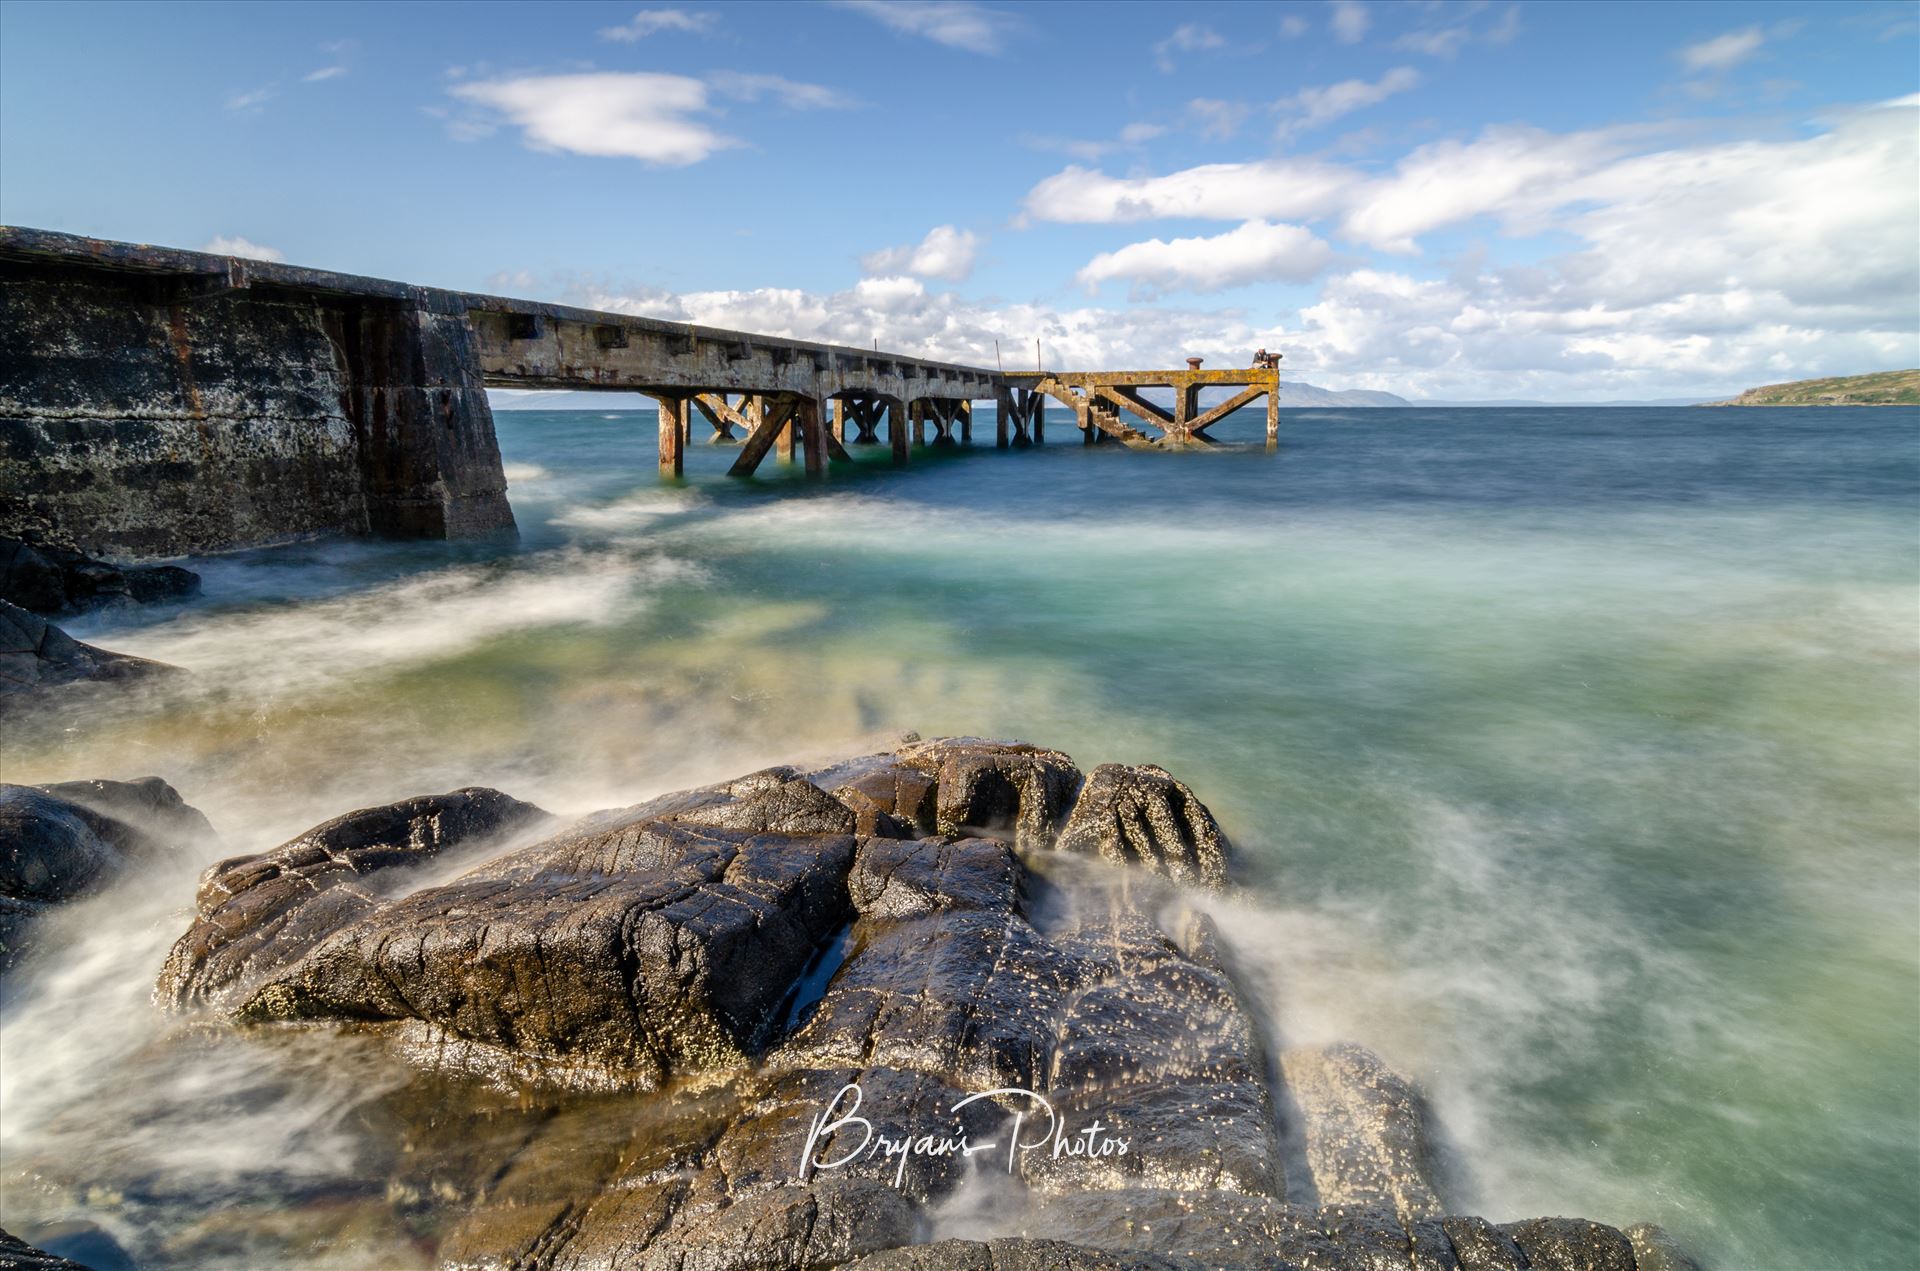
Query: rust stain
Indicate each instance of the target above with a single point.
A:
(183, 353)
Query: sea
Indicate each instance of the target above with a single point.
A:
(1571, 758)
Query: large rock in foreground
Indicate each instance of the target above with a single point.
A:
(257, 913)
(783, 1021)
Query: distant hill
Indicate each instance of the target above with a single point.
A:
(1299, 393)
(1883, 388)
(1504, 402)
(1292, 393)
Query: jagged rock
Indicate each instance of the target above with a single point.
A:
(51, 580)
(257, 913)
(962, 785)
(1655, 1250)
(1571, 1244)
(55, 847)
(148, 804)
(801, 999)
(626, 954)
(1364, 1129)
(35, 655)
(70, 1244)
(17, 1255)
(1142, 815)
(1016, 1254)
(1481, 1246)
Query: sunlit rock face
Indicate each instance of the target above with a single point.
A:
(806, 1018)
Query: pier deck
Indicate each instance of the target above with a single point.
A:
(160, 401)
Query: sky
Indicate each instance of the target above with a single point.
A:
(1560, 201)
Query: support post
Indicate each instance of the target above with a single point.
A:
(966, 422)
(813, 435)
(1273, 414)
(897, 432)
(1037, 412)
(673, 436)
(840, 405)
(918, 410)
(1003, 408)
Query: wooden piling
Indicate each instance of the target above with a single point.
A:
(673, 434)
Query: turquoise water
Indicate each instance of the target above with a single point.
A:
(1570, 754)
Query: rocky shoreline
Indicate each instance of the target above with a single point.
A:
(804, 1019)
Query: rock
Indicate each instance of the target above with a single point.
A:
(1481, 1246)
(51, 580)
(1015, 1254)
(72, 1244)
(625, 954)
(1571, 1244)
(1364, 1129)
(1142, 815)
(18, 1255)
(729, 1028)
(259, 912)
(54, 849)
(148, 804)
(35, 655)
(1655, 1250)
(962, 786)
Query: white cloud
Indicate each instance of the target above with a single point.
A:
(1285, 189)
(1350, 21)
(946, 253)
(905, 318)
(637, 115)
(252, 99)
(1293, 26)
(743, 86)
(1514, 173)
(1189, 37)
(954, 23)
(1723, 52)
(653, 21)
(1446, 40)
(1216, 120)
(1311, 107)
(324, 73)
(1258, 251)
(234, 245)
(1131, 137)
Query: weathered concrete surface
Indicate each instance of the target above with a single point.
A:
(158, 402)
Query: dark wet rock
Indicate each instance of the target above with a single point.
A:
(51, 580)
(627, 954)
(1655, 1250)
(257, 913)
(1015, 1254)
(17, 1255)
(1481, 1246)
(36, 655)
(148, 804)
(904, 878)
(1571, 1244)
(1144, 816)
(1364, 1130)
(78, 1243)
(961, 785)
(55, 849)
(800, 997)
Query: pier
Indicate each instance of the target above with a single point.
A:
(159, 402)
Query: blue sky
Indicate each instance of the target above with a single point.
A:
(1568, 201)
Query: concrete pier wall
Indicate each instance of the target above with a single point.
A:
(156, 402)
(131, 425)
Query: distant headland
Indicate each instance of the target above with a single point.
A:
(1883, 388)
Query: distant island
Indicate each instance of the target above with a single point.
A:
(1883, 388)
